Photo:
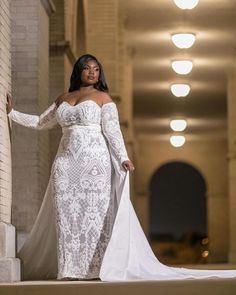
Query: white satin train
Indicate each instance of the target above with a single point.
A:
(128, 256)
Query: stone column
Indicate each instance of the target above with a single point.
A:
(30, 80)
(125, 72)
(63, 47)
(9, 265)
(57, 65)
(102, 39)
(106, 39)
(231, 96)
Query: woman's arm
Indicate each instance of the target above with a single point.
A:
(112, 131)
(46, 120)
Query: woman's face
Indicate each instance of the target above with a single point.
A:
(90, 73)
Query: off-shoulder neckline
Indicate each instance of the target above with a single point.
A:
(87, 100)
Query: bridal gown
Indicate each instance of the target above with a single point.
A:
(86, 227)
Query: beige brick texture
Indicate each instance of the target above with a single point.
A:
(105, 38)
(57, 66)
(30, 78)
(102, 37)
(5, 86)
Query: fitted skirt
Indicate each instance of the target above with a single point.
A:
(83, 201)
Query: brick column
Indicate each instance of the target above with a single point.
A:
(30, 80)
(106, 39)
(64, 39)
(102, 40)
(57, 65)
(9, 265)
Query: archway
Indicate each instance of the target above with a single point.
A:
(178, 211)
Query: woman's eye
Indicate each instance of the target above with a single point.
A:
(87, 68)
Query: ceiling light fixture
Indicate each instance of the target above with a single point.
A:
(178, 125)
(183, 40)
(182, 67)
(177, 140)
(186, 4)
(180, 90)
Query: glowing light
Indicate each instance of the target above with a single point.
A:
(177, 140)
(182, 67)
(186, 4)
(178, 125)
(180, 90)
(205, 254)
(205, 241)
(183, 40)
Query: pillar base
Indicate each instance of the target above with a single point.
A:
(9, 270)
(7, 240)
(9, 265)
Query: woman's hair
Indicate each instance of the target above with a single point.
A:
(75, 79)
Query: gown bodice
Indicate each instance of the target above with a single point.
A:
(87, 112)
(85, 115)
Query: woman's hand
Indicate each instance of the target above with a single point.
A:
(9, 104)
(128, 165)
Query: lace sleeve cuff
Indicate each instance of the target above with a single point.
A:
(10, 113)
(46, 120)
(112, 131)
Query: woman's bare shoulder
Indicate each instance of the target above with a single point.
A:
(105, 97)
(62, 97)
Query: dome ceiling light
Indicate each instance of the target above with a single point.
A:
(183, 40)
(182, 67)
(178, 125)
(177, 140)
(186, 4)
(180, 90)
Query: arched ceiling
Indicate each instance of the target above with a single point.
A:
(149, 25)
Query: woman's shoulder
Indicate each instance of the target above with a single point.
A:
(105, 97)
(62, 97)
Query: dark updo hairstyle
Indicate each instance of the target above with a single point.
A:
(75, 79)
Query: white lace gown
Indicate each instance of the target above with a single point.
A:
(86, 227)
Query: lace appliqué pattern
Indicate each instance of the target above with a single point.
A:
(81, 176)
(46, 120)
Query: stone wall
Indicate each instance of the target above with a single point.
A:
(5, 86)
(30, 75)
(9, 265)
(57, 65)
(102, 38)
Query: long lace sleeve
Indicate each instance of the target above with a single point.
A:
(112, 131)
(46, 120)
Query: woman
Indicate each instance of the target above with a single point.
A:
(86, 227)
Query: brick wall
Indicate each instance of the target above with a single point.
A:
(43, 96)
(57, 66)
(105, 38)
(102, 37)
(30, 152)
(5, 85)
